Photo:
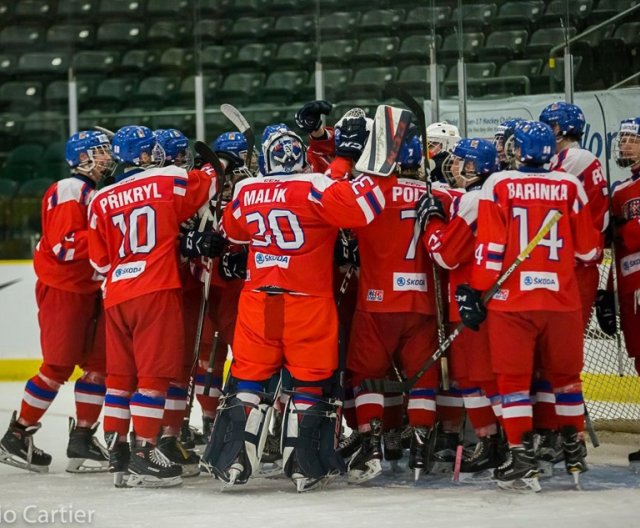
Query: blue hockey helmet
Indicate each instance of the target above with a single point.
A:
(283, 152)
(88, 150)
(234, 142)
(569, 118)
(176, 148)
(534, 143)
(471, 159)
(410, 154)
(138, 146)
(626, 145)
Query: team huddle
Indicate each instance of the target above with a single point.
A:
(452, 281)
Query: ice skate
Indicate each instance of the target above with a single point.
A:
(348, 445)
(520, 472)
(484, 457)
(85, 453)
(444, 453)
(149, 468)
(17, 448)
(421, 451)
(366, 463)
(393, 451)
(119, 455)
(634, 461)
(548, 451)
(575, 452)
(190, 438)
(177, 454)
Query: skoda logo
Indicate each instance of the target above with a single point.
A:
(401, 281)
(259, 258)
(528, 281)
(118, 272)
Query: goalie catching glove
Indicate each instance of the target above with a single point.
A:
(202, 244)
(351, 135)
(470, 306)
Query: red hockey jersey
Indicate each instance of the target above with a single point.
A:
(291, 223)
(513, 206)
(61, 258)
(134, 227)
(396, 274)
(587, 168)
(626, 211)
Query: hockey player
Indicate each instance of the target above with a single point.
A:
(287, 315)
(503, 141)
(69, 314)
(626, 215)
(394, 320)
(133, 241)
(451, 246)
(441, 137)
(538, 308)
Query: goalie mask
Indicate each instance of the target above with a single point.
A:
(441, 137)
(626, 145)
(89, 153)
(472, 160)
(176, 148)
(283, 152)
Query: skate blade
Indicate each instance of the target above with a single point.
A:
(85, 465)
(304, 484)
(486, 475)
(269, 469)
(634, 467)
(190, 470)
(417, 473)
(522, 485)
(11, 460)
(148, 481)
(357, 476)
(231, 478)
(441, 468)
(545, 468)
(120, 479)
(576, 479)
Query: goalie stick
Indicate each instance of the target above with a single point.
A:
(240, 122)
(393, 90)
(376, 385)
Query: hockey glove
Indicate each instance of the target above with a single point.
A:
(606, 312)
(309, 117)
(233, 265)
(202, 244)
(351, 135)
(345, 251)
(428, 207)
(470, 306)
(231, 161)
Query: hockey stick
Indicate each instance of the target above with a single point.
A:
(240, 122)
(109, 133)
(376, 385)
(393, 90)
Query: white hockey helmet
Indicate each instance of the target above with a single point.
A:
(442, 136)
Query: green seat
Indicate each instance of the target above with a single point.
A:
(377, 49)
(20, 96)
(543, 40)
(113, 94)
(139, 61)
(337, 52)
(579, 10)
(121, 34)
(176, 61)
(416, 48)
(338, 24)
(416, 79)
(210, 30)
(55, 152)
(292, 27)
(10, 127)
(519, 14)
(54, 171)
(170, 9)
(607, 8)
(284, 5)
(527, 67)
(166, 33)
(154, 92)
(186, 96)
(260, 117)
(381, 22)
(8, 63)
(249, 29)
(133, 115)
(216, 123)
(335, 82)
(6, 10)
(34, 188)
(476, 71)
(283, 86)
(8, 188)
(22, 37)
(87, 119)
(98, 62)
(244, 7)
(56, 96)
(254, 56)
(70, 36)
(241, 87)
(471, 43)
(39, 11)
(211, 7)
(294, 54)
(25, 157)
(420, 19)
(184, 120)
(504, 45)
(217, 57)
(475, 17)
(121, 9)
(77, 9)
(369, 82)
(43, 65)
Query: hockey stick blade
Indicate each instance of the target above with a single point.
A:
(400, 387)
(109, 133)
(209, 156)
(240, 122)
(381, 150)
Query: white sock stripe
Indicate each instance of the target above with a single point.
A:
(175, 405)
(570, 410)
(517, 411)
(497, 410)
(476, 402)
(421, 404)
(93, 399)
(370, 398)
(213, 392)
(249, 397)
(449, 401)
(146, 412)
(543, 397)
(34, 401)
(117, 412)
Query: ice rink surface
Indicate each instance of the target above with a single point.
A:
(610, 498)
